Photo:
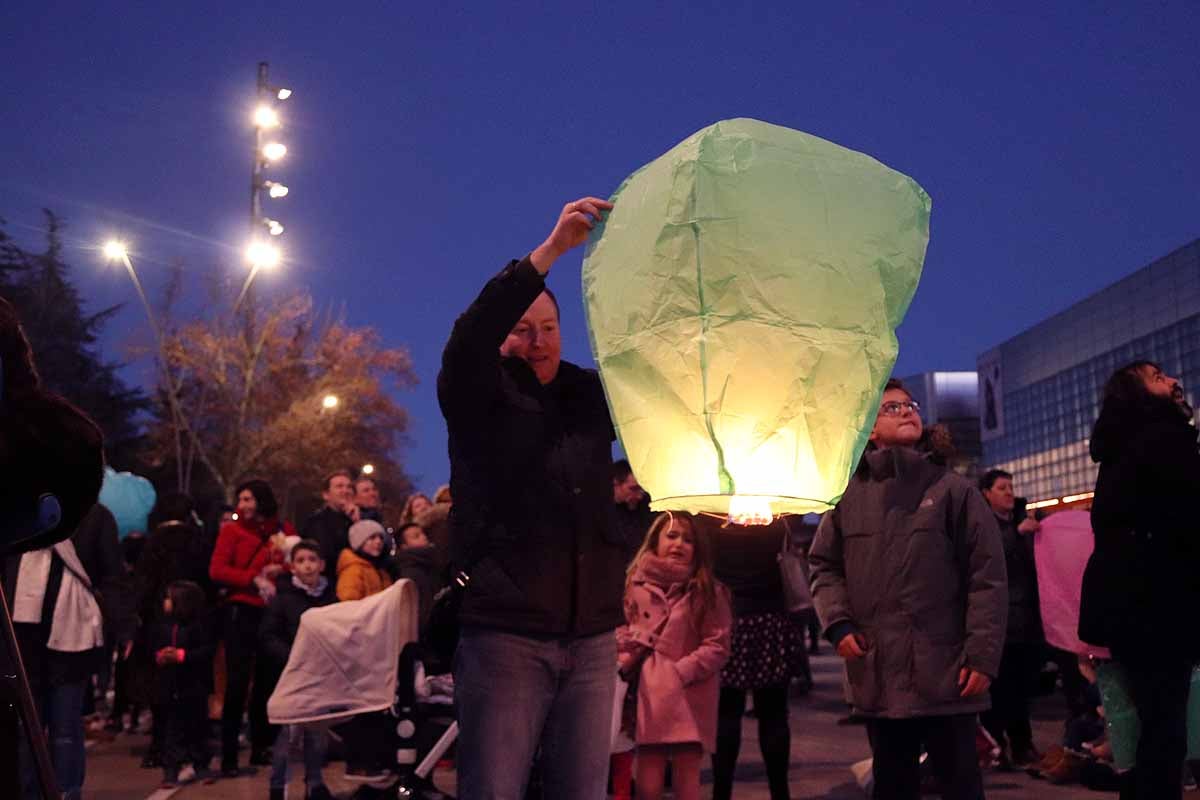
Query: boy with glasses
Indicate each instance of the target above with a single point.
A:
(909, 583)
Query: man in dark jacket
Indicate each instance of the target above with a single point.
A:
(1024, 648)
(367, 500)
(1140, 594)
(176, 550)
(908, 580)
(530, 451)
(330, 526)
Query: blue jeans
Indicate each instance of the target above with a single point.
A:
(315, 743)
(61, 710)
(514, 694)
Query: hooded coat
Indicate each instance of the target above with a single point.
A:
(911, 558)
(680, 677)
(359, 577)
(1141, 587)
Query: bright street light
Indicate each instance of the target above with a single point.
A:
(274, 151)
(115, 250)
(265, 117)
(329, 401)
(367, 469)
(263, 255)
(283, 94)
(274, 227)
(276, 190)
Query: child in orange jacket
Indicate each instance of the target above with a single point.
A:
(360, 568)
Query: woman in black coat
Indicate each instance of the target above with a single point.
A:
(767, 652)
(1140, 595)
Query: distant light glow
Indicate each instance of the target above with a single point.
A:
(283, 94)
(265, 117)
(1043, 503)
(276, 190)
(329, 401)
(115, 250)
(750, 510)
(367, 469)
(263, 255)
(274, 227)
(274, 151)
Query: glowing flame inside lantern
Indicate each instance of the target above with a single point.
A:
(750, 510)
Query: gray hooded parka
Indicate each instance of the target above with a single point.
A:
(912, 559)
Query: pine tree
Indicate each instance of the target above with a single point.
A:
(64, 340)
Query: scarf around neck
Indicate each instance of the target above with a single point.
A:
(663, 572)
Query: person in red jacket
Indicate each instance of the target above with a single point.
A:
(240, 562)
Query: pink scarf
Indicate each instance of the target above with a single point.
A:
(663, 572)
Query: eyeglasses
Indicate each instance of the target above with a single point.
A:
(894, 409)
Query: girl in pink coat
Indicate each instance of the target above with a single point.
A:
(675, 642)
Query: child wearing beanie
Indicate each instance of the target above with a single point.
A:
(361, 568)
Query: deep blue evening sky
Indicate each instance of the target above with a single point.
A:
(427, 147)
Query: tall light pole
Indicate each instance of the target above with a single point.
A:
(115, 250)
(260, 253)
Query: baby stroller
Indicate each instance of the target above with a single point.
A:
(354, 668)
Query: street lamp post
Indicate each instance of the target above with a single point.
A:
(259, 254)
(117, 251)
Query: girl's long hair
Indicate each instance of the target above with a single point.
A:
(407, 515)
(702, 586)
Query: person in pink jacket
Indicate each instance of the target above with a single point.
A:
(675, 642)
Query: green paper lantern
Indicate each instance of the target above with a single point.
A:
(742, 299)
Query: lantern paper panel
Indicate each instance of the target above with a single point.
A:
(742, 299)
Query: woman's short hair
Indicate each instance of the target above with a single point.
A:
(263, 496)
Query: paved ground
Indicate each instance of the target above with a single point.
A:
(822, 753)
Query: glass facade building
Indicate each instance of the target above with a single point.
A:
(951, 399)
(1039, 392)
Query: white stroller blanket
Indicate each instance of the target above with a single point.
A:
(345, 658)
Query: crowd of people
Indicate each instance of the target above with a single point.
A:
(190, 607)
(574, 595)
